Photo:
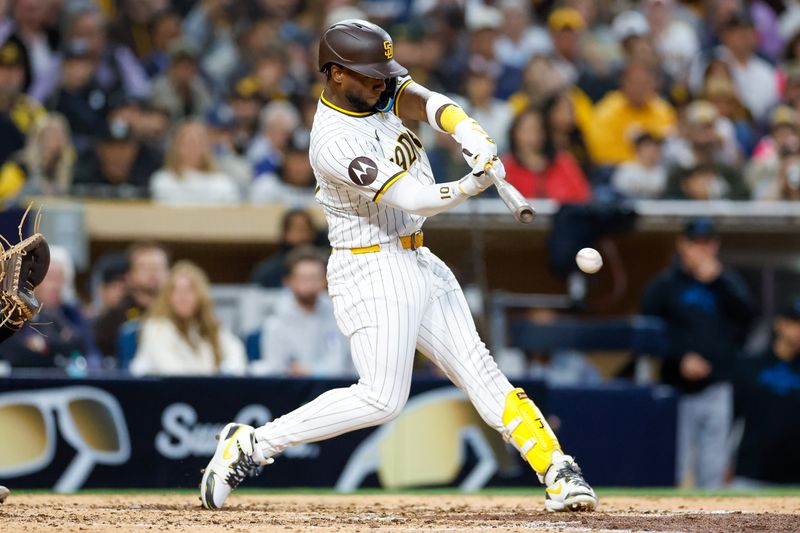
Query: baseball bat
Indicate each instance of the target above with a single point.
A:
(515, 202)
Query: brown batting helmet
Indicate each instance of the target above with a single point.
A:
(360, 46)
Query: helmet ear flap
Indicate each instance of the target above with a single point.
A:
(386, 100)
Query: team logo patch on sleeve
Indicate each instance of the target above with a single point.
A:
(362, 170)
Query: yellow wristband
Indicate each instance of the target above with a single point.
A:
(450, 116)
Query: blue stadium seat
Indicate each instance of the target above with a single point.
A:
(639, 334)
(252, 344)
(127, 341)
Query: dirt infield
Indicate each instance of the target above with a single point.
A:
(286, 513)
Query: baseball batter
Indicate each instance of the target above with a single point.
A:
(391, 295)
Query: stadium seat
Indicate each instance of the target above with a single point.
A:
(639, 334)
(242, 308)
(252, 344)
(127, 341)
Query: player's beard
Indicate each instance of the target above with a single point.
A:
(307, 301)
(357, 103)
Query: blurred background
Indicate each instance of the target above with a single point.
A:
(166, 143)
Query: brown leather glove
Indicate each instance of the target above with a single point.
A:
(22, 268)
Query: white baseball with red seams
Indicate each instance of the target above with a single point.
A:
(589, 260)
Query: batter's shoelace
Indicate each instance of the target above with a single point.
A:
(243, 467)
(572, 474)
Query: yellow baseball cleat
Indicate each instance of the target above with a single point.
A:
(565, 488)
(235, 458)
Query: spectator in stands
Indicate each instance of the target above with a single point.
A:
(109, 282)
(493, 114)
(537, 168)
(278, 121)
(784, 134)
(540, 82)
(722, 95)
(293, 186)
(566, 25)
(115, 69)
(30, 20)
(707, 310)
(718, 69)
(540, 79)
(297, 230)
(786, 185)
(165, 31)
(59, 332)
(483, 25)
(561, 122)
(245, 105)
(181, 90)
(80, 97)
(301, 338)
(768, 395)
(703, 136)
(149, 124)
(772, 172)
(255, 38)
(765, 19)
(520, 40)
(149, 267)
(701, 166)
(632, 32)
(581, 53)
(152, 127)
(701, 182)
(126, 110)
(131, 23)
(446, 28)
(209, 27)
(7, 27)
(118, 166)
(221, 130)
(791, 88)
(190, 174)
(44, 166)
(271, 74)
(181, 335)
(18, 112)
(646, 176)
(675, 40)
(426, 57)
(636, 106)
(755, 78)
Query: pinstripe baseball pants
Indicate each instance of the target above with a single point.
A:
(390, 303)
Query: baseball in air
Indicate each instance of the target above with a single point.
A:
(589, 260)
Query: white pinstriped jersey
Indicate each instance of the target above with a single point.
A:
(391, 301)
(356, 157)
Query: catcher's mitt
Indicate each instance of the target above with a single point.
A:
(23, 267)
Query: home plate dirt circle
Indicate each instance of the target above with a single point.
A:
(368, 513)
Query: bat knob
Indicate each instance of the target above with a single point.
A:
(526, 215)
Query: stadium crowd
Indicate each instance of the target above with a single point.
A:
(210, 102)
